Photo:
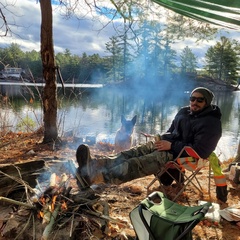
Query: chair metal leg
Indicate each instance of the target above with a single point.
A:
(152, 182)
(209, 179)
(187, 179)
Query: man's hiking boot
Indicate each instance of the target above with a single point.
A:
(83, 159)
(89, 171)
(222, 193)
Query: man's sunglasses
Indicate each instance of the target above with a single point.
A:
(199, 99)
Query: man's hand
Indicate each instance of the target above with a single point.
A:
(163, 145)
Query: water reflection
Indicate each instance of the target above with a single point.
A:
(98, 113)
(102, 116)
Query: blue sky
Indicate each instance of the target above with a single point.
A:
(85, 35)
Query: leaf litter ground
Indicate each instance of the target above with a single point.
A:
(20, 147)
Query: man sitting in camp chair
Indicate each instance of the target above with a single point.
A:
(197, 125)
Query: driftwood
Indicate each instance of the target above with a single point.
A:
(12, 176)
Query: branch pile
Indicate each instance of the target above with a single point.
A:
(41, 200)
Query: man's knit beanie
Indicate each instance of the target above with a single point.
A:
(207, 94)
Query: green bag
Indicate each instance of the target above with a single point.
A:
(159, 218)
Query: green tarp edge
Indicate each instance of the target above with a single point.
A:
(214, 12)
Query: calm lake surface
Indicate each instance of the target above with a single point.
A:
(98, 113)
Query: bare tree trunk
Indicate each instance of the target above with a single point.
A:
(237, 159)
(49, 74)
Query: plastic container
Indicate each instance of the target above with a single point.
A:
(213, 213)
(234, 173)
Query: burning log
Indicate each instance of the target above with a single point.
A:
(49, 227)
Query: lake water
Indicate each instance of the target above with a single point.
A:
(98, 113)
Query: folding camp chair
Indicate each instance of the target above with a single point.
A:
(158, 218)
(193, 163)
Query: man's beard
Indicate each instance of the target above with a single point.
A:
(195, 111)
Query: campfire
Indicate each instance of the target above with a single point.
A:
(42, 200)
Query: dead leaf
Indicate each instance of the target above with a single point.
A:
(11, 224)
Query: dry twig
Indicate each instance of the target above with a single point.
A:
(4, 199)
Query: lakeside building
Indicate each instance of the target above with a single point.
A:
(11, 73)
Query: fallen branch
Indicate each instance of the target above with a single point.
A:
(34, 226)
(71, 227)
(4, 199)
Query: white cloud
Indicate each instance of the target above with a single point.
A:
(76, 35)
(79, 36)
(24, 20)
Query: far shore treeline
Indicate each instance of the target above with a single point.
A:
(145, 66)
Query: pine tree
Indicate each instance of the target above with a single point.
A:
(188, 61)
(222, 61)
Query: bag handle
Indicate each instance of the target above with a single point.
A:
(155, 198)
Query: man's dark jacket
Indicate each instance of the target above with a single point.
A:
(201, 131)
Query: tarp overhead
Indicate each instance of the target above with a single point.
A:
(225, 13)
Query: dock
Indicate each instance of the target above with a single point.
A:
(68, 85)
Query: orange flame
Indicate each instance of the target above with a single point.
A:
(42, 200)
(40, 214)
(53, 202)
(64, 206)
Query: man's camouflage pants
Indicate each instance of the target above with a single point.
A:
(137, 162)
